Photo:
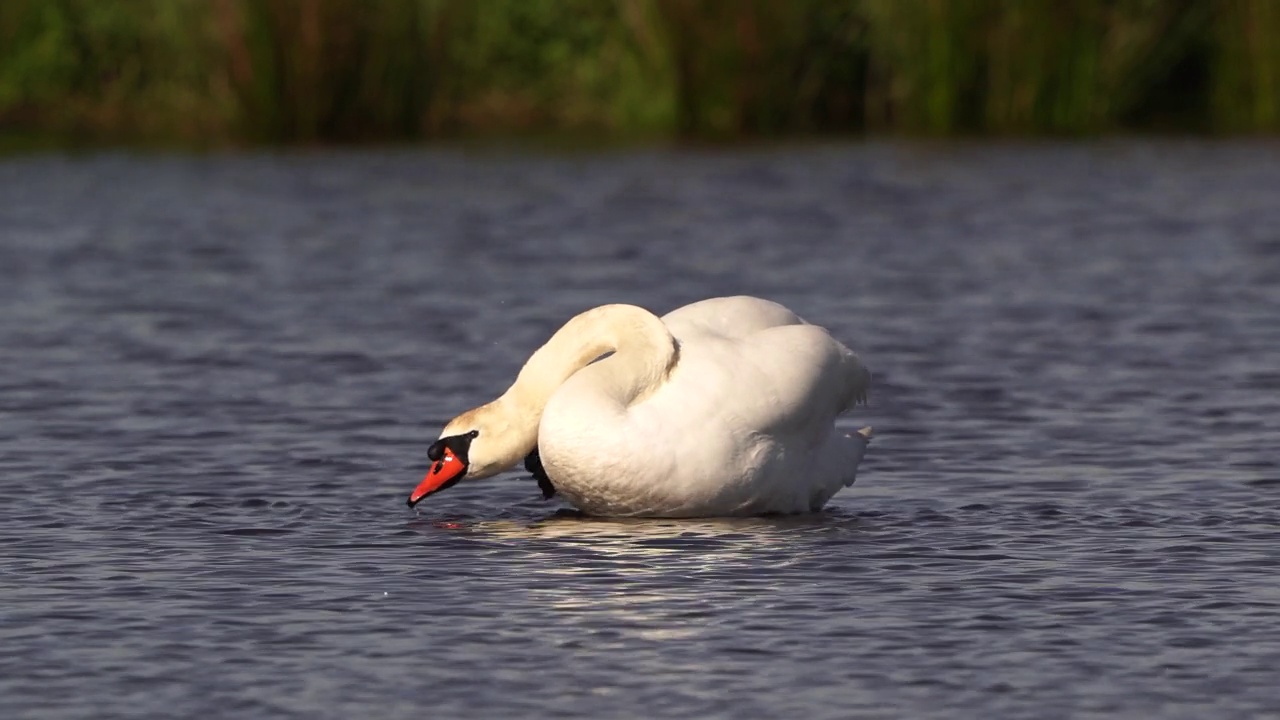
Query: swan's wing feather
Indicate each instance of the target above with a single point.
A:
(729, 317)
(780, 342)
(810, 378)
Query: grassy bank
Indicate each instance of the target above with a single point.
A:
(219, 71)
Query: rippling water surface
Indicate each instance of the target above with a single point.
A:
(220, 377)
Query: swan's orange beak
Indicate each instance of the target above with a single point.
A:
(446, 471)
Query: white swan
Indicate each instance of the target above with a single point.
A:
(723, 407)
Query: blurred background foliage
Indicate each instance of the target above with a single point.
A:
(310, 71)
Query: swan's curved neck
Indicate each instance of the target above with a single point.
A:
(641, 346)
(644, 352)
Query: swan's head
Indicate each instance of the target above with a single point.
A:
(477, 444)
(450, 461)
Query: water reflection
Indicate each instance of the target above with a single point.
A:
(620, 536)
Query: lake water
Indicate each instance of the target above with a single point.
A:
(221, 375)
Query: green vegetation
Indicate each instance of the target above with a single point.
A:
(233, 71)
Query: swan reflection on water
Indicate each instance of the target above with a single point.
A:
(651, 579)
(650, 537)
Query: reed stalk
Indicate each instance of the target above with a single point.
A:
(315, 71)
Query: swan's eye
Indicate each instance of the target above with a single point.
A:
(456, 444)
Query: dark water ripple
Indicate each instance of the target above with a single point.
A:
(221, 375)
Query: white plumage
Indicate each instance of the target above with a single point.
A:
(723, 407)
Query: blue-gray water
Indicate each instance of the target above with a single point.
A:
(220, 377)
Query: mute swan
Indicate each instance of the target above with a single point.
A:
(722, 407)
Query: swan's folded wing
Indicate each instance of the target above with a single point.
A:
(730, 317)
(808, 378)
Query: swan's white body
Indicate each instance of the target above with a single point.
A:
(723, 407)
